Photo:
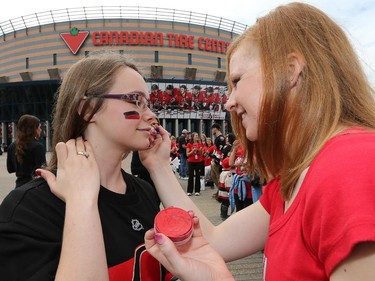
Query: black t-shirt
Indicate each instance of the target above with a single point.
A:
(227, 148)
(182, 141)
(31, 230)
(220, 142)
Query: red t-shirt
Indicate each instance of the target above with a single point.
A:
(208, 150)
(195, 157)
(333, 211)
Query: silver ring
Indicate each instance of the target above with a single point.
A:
(84, 153)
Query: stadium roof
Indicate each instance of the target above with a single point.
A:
(118, 12)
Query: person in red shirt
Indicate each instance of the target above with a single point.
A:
(225, 183)
(303, 108)
(169, 98)
(174, 148)
(209, 99)
(194, 152)
(241, 187)
(216, 105)
(184, 98)
(222, 99)
(197, 98)
(156, 97)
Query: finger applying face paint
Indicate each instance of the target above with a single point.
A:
(132, 115)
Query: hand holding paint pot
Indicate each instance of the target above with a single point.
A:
(175, 223)
(195, 259)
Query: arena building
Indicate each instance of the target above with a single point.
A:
(181, 55)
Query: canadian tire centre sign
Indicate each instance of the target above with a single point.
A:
(76, 38)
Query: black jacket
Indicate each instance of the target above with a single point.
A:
(34, 157)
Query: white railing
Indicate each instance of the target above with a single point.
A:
(119, 12)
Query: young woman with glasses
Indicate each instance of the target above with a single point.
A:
(87, 220)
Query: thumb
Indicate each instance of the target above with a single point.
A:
(169, 255)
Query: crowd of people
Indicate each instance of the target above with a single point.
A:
(206, 163)
(197, 98)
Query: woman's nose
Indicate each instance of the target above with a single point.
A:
(149, 114)
(231, 103)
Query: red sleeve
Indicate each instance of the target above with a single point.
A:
(340, 208)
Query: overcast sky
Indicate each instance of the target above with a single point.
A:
(357, 17)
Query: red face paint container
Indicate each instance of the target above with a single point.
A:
(175, 223)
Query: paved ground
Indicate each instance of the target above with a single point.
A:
(247, 269)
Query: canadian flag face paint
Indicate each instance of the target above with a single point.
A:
(132, 115)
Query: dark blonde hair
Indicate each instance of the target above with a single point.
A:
(332, 90)
(192, 137)
(27, 127)
(91, 76)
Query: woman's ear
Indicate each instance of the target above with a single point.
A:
(85, 106)
(296, 63)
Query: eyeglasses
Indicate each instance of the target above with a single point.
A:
(136, 98)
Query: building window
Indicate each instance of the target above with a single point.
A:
(218, 62)
(156, 56)
(190, 59)
(54, 59)
(87, 53)
(27, 63)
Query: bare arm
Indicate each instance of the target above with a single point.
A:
(358, 266)
(77, 183)
(253, 220)
(250, 228)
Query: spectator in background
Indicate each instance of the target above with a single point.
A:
(203, 139)
(225, 184)
(194, 152)
(209, 149)
(174, 148)
(26, 154)
(229, 139)
(182, 142)
(219, 142)
(240, 193)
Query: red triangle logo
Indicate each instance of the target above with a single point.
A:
(74, 39)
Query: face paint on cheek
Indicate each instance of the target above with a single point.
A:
(132, 115)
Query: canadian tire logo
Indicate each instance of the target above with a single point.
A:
(74, 39)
